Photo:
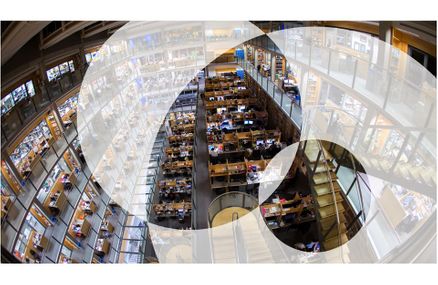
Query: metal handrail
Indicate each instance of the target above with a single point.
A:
(321, 149)
(236, 228)
(357, 185)
(219, 198)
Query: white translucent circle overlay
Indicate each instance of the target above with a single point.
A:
(131, 85)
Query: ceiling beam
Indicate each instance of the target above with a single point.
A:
(67, 29)
(101, 27)
(17, 34)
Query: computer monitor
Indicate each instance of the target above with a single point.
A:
(270, 141)
(260, 142)
(248, 122)
(241, 108)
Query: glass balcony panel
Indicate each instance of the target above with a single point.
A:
(27, 195)
(66, 83)
(11, 123)
(38, 175)
(320, 59)
(8, 236)
(49, 158)
(27, 110)
(407, 104)
(302, 53)
(60, 145)
(70, 133)
(131, 258)
(342, 67)
(16, 215)
(372, 82)
(54, 90)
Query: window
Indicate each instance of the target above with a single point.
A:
(71, 66)
(21, 92)
(90, 56)
(53, 73)
(57, 71)
(63, 68)
(7, 104)
(30, 88)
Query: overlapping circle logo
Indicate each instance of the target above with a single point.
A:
(131, 85)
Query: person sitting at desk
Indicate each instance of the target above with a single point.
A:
(77, 230)
(66, 182)
(86, 206)
(180, 215)
(213, 156)
(25, 169)
(248, 153)
(35, 256)
(35, 149)
(44, 146)
(256, 154)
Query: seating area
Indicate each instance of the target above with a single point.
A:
(239, 143)
(174, 183)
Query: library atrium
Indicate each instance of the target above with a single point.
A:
(218, 142)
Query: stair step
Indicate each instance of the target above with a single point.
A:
(324, 189)
(323, 177)
(328, 222)
(334, 242)
(327, 199)
(312, 149)
(321, 167)
(334, 231)
(330, 210)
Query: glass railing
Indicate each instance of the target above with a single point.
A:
(228, 200)
(239, 246)
(18, 118)
(283, 99)
(370, 80)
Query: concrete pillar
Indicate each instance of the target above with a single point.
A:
(385, 31)
(385, 34)
(273, 65)
(256, 57)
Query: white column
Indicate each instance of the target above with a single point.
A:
(273, 65)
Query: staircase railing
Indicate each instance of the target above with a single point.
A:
(239, 246)
(332, 188)
(230, 199)
(358, 188)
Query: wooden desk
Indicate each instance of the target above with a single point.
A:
(218, 170)
(6, 204)
(180, 138)
(102, 246)
(79, 219)
(236, 168)
(88, 206)
(260, 164)
(244, 136)
(229, 138)
(171, 209)
(167, 183)
(66, 260)
(36, 242)
(107, 226)
(281, 209)
(56, 198)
